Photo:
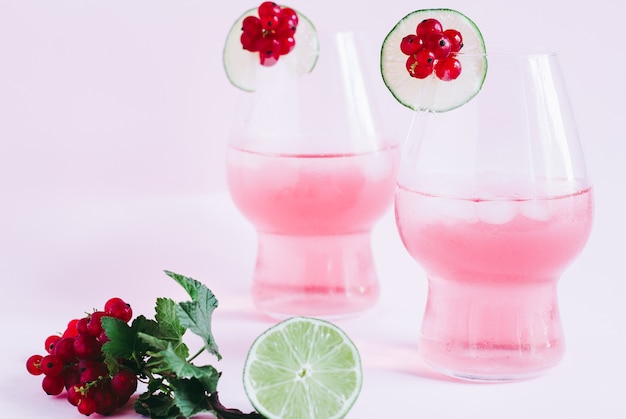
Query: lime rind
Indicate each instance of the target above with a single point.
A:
(303, 368)
(432, 94)
(241, 66)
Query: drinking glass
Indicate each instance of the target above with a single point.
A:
(311, 167)
(494, 202)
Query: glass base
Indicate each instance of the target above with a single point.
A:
(480, 364)
(318, 276)
(489, 331)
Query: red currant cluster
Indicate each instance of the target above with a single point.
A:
(271, 34)
(75, 362)
(432, 49)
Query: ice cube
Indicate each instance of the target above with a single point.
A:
(536, 210)
(453, 210)
(496, 212)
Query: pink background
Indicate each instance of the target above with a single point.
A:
(113, 124)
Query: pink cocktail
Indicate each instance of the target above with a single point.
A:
(493, 201)
(493, 268)
(314, 215)
(312, 166)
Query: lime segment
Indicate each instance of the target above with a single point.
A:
(431, 93)
(303, 368)
(241, 66)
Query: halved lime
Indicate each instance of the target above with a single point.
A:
(241, 65)
(432, 93)
(303, 368)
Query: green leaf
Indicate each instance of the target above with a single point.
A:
(155, 343)
(144, 325)
(169, 330)
(158, 344)
(169, 324)
(207, 375)
(197, 317)
(190, 396)
(123, 339)
(189, 284)
(156, 406)
(196, 314)
(155, 384)
(112, 365)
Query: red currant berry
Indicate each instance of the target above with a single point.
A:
(411, 44)
(94, 326)
(118, 308)
(87, 406)
(428, 26)
(71, 329)
(106, 400)
(269, 14)
(418, 70)
(268, 8)
(251, 25)
(33, 364)
(124, 383)
(456, 39)
(287, 14)
(448, 69)
(74, 395)
(287, 45)
(93, 373)
(103, 338)
(81, 326)
(269, 50)
(267, 60)
(425, 57)
(439, 44)
(50, 342)
(116, 300)
(51, 365)
(64, 349)
(270, 23)
(71, 376)
(248, 42)
(52, 385)
(87, 347)
(285, 29)
(288, 22)
(83, 364)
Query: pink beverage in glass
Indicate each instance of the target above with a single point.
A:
(314, 215)
(493, 268)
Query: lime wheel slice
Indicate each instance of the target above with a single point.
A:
(303, 368)
(431, 93)
(241, 65)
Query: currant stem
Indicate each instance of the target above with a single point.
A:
(222, 412)
(197, 354)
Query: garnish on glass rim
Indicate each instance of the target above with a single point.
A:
(265, 35)
(434, 59)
